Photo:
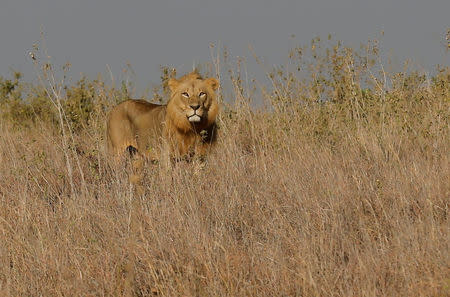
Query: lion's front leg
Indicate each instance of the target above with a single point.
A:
(201, 150)
(181, 146)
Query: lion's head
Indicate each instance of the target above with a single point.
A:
(192, 103)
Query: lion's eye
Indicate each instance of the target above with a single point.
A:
(202, 95)
(185, 94)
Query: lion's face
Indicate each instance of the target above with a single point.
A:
(193, 100)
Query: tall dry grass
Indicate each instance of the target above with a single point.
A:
(339, 188)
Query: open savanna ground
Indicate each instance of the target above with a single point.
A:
(336, 184)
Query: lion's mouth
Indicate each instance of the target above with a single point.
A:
(195, 118)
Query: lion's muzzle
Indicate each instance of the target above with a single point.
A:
(194, 114)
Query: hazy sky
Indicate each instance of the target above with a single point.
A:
(91, 34)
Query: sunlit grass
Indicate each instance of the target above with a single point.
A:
(339, 187)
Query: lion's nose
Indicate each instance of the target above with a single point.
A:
(195, 106)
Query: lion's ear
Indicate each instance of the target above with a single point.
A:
(173, 84)
(214, 83)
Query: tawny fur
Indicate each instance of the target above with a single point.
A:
(147, 127)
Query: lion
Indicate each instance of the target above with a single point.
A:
(185, 126)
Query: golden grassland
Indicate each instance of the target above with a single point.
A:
(339, 186)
